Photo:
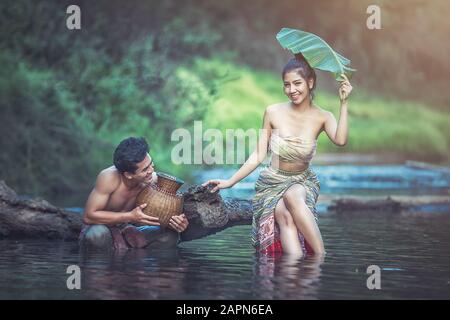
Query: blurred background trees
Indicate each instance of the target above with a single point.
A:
(135, 68)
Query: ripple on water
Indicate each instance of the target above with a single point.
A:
(411, 252)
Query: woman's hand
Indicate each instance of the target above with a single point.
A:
(219, 184)
(344, 89)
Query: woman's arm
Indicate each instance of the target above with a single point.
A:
(254, 160)
(338, 131)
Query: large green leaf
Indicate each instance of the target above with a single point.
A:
(316, 51)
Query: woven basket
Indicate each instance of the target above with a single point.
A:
(162, 199)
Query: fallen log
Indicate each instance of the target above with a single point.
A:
(389, 204)
(35, 218)
(373, 205)
(207, 212)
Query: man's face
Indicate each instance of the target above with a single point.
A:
(144, 170)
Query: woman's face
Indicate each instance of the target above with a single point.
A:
(296, 87)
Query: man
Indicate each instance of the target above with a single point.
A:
(111, 210)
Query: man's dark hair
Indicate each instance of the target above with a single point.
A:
(129, 153)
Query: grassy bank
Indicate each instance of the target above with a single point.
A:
(377, 125)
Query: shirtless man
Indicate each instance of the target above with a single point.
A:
(110, 209)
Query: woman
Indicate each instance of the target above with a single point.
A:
(287, 189)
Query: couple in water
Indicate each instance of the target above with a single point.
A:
(284, 206)
(284, 217)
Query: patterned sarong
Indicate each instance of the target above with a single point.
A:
(270, 187)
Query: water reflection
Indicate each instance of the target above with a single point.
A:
(412, 252)
(134, 274)
(192, 274)
(287, 277)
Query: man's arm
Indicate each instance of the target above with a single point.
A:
(95, 212)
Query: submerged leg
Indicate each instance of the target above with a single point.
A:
(96, 237)
(135, 238)
(160, 238)
(288, 230)
(295, 202)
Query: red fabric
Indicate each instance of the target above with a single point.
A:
(275, 249)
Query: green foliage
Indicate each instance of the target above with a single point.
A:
(69, 98)
(145, 68)
(402, 60)
(376, 125)
(43, 148)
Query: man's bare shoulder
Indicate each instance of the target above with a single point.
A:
(108, 180)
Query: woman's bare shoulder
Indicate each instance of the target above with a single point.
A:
(277, 107)
(322, 113)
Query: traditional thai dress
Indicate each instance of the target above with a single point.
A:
(273, 183)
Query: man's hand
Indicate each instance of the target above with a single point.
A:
(179, 223)
(138, 216)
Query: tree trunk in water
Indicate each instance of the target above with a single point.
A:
(23, 218)
(207, 213)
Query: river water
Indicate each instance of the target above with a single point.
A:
(411, 250)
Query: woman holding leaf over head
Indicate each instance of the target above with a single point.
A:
(284, 206)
